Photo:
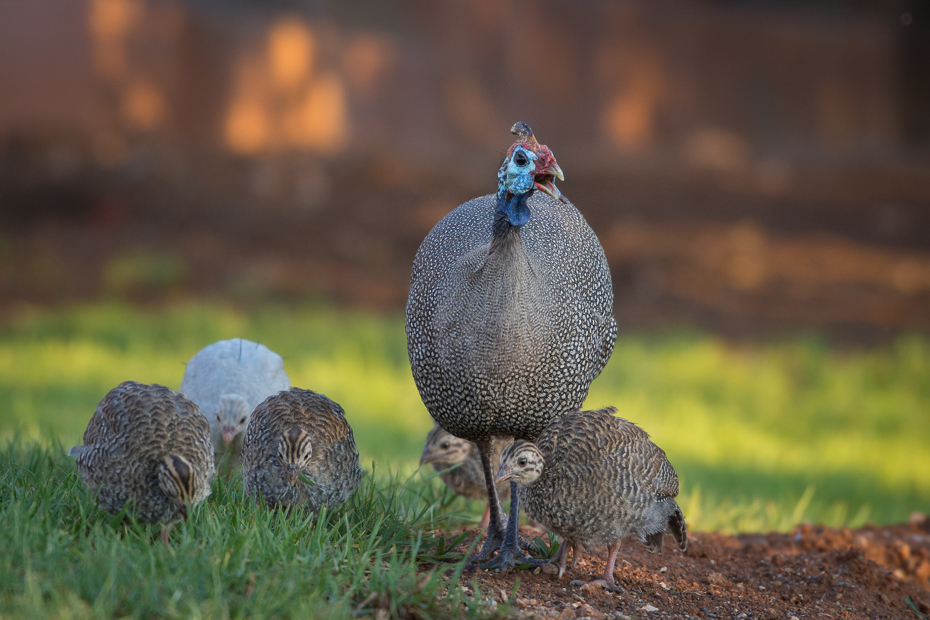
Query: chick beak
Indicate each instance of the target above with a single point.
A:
(291, 471)
(504, 475)
(544, 180)
(184, 512)
(228, 435)
(427, 457)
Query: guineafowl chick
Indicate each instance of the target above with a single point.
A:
(148, 445)
(444, 450)
(294, 435)
(227, 380)
(509, 318)
(593, 479)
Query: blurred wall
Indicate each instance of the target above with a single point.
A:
(313, 144)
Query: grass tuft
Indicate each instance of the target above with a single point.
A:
(61, 556)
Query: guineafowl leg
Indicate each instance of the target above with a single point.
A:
(607, 580)
(164, 533)
(495, 522)
(509, 554)
(563, 557)
(486, 518)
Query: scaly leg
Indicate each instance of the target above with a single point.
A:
(495, 522)
(509, 554)
(607, 580)
(486, 518)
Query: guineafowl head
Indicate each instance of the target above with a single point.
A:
(232, 416)
(294, 450)
(443, 447)
(528, 166)
(521, 462)
(177, 480)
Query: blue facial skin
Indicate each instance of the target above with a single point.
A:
(514, 185)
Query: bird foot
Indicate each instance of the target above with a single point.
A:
(491, 544)
(608, 585)
(509, 556)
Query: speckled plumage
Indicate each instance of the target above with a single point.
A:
(597, 478)
(134, 429)
(332, 465)
(444, 450)
(509, 313)
(227, 380)
(504, 337)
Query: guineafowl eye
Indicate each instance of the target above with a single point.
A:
(521, 462)
(242, 421)
(444, 445)
(217, 417)
(520, 159)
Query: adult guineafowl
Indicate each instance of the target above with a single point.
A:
(509, 317)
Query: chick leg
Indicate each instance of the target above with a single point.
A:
(607, 581)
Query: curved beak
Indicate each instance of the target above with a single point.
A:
(291, 471)
(428, 456)
(504, 474)
(544, 180)
(228, 435)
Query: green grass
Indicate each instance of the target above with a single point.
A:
(763, 436)
(63, 557)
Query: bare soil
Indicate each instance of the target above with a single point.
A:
(812, 572)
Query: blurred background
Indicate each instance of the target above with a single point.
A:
(174, 172)
(747, 165)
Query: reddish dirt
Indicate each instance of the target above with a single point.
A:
(812, 572)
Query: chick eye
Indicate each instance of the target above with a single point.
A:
(520, 158)
(242, 421)
(521, 462)
(444, 445)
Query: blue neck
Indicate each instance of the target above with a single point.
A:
(512, 212)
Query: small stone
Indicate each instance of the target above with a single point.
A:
(917, 519)
(793, 618)
(537, 570)
(762, 587)
(777, 584)
(664, 585)
(885, 599)
(521, 602)
(664, 569)
(590, 588)
(650, 608)
(589, 612)
(568, 612)
(923, 570)
(716, 579)
(549, 569)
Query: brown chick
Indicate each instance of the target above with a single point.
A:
(444, 451)
(148, 445)
(299, 451)
(593, 479)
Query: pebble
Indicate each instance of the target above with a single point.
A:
(664, 569)
(650, 608)
(549, 569)
(589, 612)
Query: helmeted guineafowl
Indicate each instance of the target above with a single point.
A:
(509, 316)
(148, 445)
(227, 380)
(294, 434)
(593, 479)
(446, 451)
